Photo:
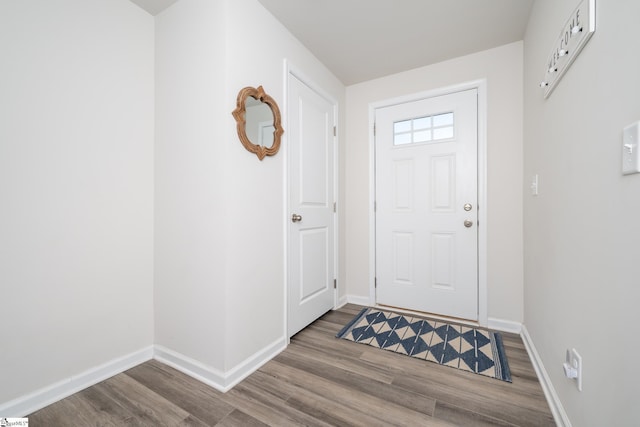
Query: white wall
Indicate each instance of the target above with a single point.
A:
(257, 48)
(190, 197)
(582, 231)
(502, 68)
(76, 188)
(220, 211)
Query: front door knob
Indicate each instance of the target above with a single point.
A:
(296, 218)
(468, 223)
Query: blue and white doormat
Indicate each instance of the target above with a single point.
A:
(462, 347)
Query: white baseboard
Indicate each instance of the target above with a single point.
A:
(504, 325)
(254, 362)
(195, 369)
(25, 405)
(494, 323)
(342, 301)
(559, 414)
(358, 300)
(222, 381)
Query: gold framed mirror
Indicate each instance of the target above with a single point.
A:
(258, 122)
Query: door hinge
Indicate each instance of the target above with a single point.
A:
(375, 206)
(375, 282)
(374, 129)
(334, 207)
(334, 131)
(335, 283)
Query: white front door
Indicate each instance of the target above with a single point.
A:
(311, 205)
(426, 205)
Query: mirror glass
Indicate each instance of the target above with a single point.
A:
(259, 123)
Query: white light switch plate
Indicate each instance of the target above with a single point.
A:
(631, 149)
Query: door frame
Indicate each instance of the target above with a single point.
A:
(481, 86)
(292, 70)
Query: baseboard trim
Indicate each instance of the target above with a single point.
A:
(493, 323)
(221, 381)
(342, 301)
(358, 300)
(27, 404)
(254, 362)
(559, 414)
(504, 325)
(195, 369)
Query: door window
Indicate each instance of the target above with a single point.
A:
(435, 128)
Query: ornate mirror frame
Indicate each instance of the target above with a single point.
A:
(240, 115)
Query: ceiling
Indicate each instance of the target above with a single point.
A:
(360, 40)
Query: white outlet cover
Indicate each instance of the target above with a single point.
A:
(631, 149)
(576, 362)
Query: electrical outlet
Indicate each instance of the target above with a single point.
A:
(576, 361)
(573, 367)
(534, 185)
(630, 149)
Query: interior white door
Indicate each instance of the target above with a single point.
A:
(426, 205)
(311, 201)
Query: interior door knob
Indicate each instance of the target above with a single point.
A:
(296, 218)
(468, 223)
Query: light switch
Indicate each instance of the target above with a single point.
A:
(630, 149)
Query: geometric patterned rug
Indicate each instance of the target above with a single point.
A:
(462, 347)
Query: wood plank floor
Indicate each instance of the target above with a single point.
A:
(317, 381)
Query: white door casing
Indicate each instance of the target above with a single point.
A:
(311, 234)
(426, 257)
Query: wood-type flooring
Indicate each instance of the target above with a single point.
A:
(318, 380)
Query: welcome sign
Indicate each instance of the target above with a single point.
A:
(574, 35)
